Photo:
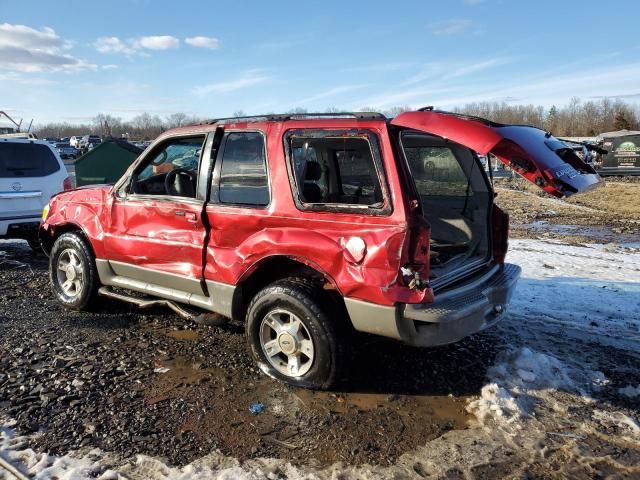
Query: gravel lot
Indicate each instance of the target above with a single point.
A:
(129, 382)
(91, 380)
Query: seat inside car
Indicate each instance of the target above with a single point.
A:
(311, 190)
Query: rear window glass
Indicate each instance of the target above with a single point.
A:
(435, 169)
(26, 160)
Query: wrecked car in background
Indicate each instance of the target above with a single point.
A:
(308, 226)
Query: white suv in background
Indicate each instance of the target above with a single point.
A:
(31, 171)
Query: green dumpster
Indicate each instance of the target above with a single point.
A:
(105, 163)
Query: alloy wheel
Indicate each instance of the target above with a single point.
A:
(286, 343)
(70, 273)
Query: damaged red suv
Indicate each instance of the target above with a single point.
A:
(307, 227)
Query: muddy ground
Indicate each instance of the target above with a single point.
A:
(133, 382)
(94, 380)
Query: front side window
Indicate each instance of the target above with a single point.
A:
(172, 169)
(243, 173)
(338, 170)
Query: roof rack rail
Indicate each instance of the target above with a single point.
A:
(281, 117)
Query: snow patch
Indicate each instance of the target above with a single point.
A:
(518, 378)
(42, 466)
(588, 292)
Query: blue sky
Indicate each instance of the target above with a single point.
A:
(70, 60)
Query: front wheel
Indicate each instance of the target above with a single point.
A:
(293, 332)
(72, 271)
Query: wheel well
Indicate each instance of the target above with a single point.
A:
(274, 269)
(47, 239)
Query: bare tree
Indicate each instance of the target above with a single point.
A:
(177, 120)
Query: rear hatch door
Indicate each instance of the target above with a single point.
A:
(27, 179)
(532, 153)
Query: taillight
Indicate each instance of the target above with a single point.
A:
(415, 270)
(500, 233)
(419, 245)
(67, 184)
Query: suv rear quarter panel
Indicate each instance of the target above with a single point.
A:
(241, 238)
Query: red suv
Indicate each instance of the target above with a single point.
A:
(308, 226)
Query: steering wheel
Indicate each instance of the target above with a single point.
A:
(170, 181)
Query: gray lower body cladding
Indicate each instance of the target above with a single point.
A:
(167, 285)
(454, 315)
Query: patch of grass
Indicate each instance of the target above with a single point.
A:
(620, 199)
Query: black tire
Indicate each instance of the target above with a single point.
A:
(86, 295)
(324, 323)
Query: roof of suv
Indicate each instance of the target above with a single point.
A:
(24, 140)
(281, 117)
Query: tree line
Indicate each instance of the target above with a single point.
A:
(577, 119)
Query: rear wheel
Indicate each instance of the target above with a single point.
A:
(72, 271)
(295, 335)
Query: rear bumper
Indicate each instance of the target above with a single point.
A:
(21, 227)
(454, 315)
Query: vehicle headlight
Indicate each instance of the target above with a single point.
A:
(45, 212)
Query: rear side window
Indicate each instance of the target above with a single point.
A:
(26, 160)
(243, 173)
(338, 171)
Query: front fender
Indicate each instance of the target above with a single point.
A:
(69, 212)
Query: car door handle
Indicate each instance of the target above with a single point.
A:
(190, 216)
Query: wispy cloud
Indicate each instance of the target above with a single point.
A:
(26, 49)
(450, 27)
(474, 2)
(448, 70)
(248, 79)
(545, 88)
(467, 69)
(381, 67)
(332, 92)
(421, 96)
(210, 43)
(622, 95)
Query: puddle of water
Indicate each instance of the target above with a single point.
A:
(181, 335)
(436, 407)
(180, 373)
(600, 233)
